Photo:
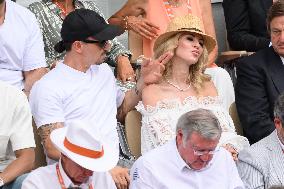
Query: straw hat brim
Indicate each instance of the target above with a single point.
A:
(102, 164)
(209, 42)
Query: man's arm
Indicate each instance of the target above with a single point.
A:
(34, 58)
(44, 133)
(23, 164)
(239, 29)
(31, 77)
(252, 100)
(250, 171)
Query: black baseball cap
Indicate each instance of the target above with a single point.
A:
(83, 23)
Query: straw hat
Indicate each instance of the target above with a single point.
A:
(188, 23)
(85, 146)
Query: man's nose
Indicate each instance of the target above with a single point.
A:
(88, 173)
(206, 157)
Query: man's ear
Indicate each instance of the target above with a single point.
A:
(77, 46)
(277, 123)
(179, 137)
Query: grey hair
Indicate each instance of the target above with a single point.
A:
(202, 121)
(279, 108)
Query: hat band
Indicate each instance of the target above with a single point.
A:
(195, 29)
(83, 151)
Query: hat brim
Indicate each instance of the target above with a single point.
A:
(209, 42)
(102, 164)
(109, 33)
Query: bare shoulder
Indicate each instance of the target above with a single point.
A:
(209, 89)
(151, 94)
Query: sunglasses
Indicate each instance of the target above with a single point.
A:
(102, 44)
(204, 152)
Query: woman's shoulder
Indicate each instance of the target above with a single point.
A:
(151, 94)
(209, 89)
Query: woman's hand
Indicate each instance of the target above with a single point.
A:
(151, 70)
(232, 150)
(141, 26)
(120, 176)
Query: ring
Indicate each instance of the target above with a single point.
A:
(128, 79)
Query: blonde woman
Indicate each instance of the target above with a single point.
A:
(149, 19)
(184, 87)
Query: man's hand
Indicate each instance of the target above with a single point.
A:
(124, 69)
(121, 177)
(151, 70)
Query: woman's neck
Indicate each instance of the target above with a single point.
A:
(180, 72)
(66, 6)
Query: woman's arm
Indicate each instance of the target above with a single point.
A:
(132, 17)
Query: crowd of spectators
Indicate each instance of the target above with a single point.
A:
(57, 81)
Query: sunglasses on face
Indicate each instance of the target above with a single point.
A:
(102, 44)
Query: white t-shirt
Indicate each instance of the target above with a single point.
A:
(16, 130)
(46, 178)
(66, 94)
(163, 168)
(21, 44)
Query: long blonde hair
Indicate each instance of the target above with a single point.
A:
(197, 77)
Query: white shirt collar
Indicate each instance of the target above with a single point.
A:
(281, 144)
(282, 59)
(67, 180)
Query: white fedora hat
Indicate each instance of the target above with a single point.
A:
(86, 148)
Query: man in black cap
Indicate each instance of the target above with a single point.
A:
(82, 87)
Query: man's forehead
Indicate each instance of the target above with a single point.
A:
(199, 141)
(277, 22)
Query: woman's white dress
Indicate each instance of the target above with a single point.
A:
(159, 122)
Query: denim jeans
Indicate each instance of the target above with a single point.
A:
(16, 184)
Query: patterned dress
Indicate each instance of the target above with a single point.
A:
(159, 122)
(50, 21)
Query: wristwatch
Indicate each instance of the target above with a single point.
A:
(1, 182)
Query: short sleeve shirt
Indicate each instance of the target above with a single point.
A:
(66, 94)
(21, 44)
(16, 130)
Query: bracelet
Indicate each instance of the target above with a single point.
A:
(1, 182)
(125, 55)
(125, 21)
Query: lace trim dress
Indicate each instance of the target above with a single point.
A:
(159, 122)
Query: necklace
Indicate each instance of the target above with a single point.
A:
(175, 3)
(170, 4)
(62, 9)
(177, 87)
